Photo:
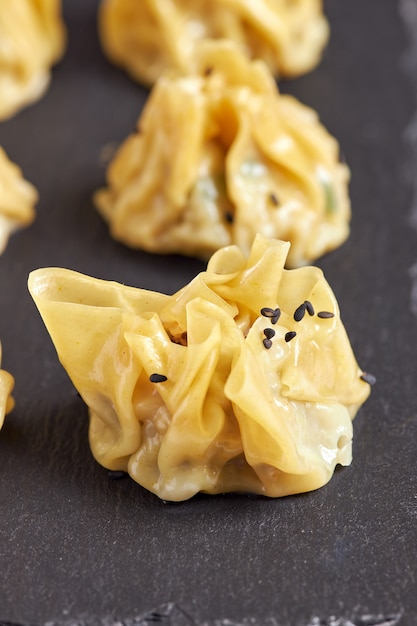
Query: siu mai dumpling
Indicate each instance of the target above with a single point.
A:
(17, 200)
(32, 39)
(220, 156)
(147, 37)
(244, 380)
(6, 388)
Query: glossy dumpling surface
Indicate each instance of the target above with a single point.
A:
(6, 388)
(17, 199)
(148, 37)
(244, 380)
(221, 156)
(32, 39)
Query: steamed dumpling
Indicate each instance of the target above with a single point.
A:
(6, 387)
(32, 39)
(244, 380)
(147, 37)
(17, 199)
(220, 156)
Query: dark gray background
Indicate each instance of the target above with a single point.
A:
(75, 545)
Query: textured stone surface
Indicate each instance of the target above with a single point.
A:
(78, 547)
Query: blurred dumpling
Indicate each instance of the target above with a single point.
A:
(222, 155)
(32, 39)
(17, 200)
(149, 36)
(244, 380)
(6, 388)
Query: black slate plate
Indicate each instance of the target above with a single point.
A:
(78, 547)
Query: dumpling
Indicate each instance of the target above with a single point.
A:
(32, 39)
(17, 199)
(6, 387)
(244, 380)
(149, 36)
(220, 156)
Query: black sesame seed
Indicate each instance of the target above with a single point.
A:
(268, 312)
(276, 317)
(267, 343)
(290, 335)
(309, 307)
(325, 314)
(117, 474)
(157, 378)
(368, 378)
(273, 199)
(269, 333)
(300, 312)
(228, 216)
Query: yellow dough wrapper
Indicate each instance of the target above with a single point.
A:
(6, 388)
(32, 39)
(17, 200)
(244, 380)
(147, 37)
(221, 156)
